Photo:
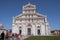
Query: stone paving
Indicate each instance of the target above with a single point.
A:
(15, 38)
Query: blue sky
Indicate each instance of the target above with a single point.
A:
(10, 8)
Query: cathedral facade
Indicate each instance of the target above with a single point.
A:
(29, 22)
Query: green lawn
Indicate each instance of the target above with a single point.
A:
(43, 38)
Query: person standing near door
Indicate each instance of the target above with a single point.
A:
(2, 36)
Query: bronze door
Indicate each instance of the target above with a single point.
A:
(29, 31)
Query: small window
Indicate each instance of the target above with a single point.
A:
(19, 27)
(29, 24)
(38, 27)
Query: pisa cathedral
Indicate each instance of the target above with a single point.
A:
(29, 22)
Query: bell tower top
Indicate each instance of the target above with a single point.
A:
(29, 8)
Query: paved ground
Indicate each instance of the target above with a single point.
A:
(12, 39)
(15, 38)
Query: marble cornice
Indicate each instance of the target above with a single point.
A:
(30, 18)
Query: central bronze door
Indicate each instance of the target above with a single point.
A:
(29, 31)
(20, 32)
(38, 32)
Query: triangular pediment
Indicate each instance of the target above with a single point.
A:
(27, 11)
(29, 6)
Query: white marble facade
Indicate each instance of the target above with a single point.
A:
(29, 22)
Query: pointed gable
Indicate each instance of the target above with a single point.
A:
(26, 9)
(29, 6)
